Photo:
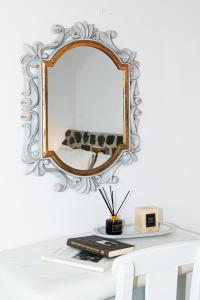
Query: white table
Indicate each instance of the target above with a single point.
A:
(23, 276)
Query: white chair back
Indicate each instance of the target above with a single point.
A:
(159, 265)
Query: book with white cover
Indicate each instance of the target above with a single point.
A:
(78, 258)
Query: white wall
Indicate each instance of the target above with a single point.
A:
(166, 35)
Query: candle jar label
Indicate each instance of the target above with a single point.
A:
(150, 220)
(117, 228)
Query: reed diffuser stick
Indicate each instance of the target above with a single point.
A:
(105, 201)
(106, 196)
(123, 202)
(111, 195)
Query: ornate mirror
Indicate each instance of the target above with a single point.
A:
(80, 107)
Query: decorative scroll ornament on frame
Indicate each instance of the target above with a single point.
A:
(32, 107)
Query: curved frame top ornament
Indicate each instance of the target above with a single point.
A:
(32, 106)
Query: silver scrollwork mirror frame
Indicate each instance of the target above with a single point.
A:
(32, 102)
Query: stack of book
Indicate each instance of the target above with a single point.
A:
(89, 252)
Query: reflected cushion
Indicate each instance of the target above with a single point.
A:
(76, 158)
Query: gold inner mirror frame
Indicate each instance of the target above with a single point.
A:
(126, 108)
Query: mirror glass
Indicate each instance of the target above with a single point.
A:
(85, 107)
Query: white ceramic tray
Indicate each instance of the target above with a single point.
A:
(130, 232)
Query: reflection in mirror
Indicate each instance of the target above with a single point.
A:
(85, 108)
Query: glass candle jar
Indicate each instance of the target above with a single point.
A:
(114, 225)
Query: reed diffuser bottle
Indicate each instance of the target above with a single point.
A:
(114, 225)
